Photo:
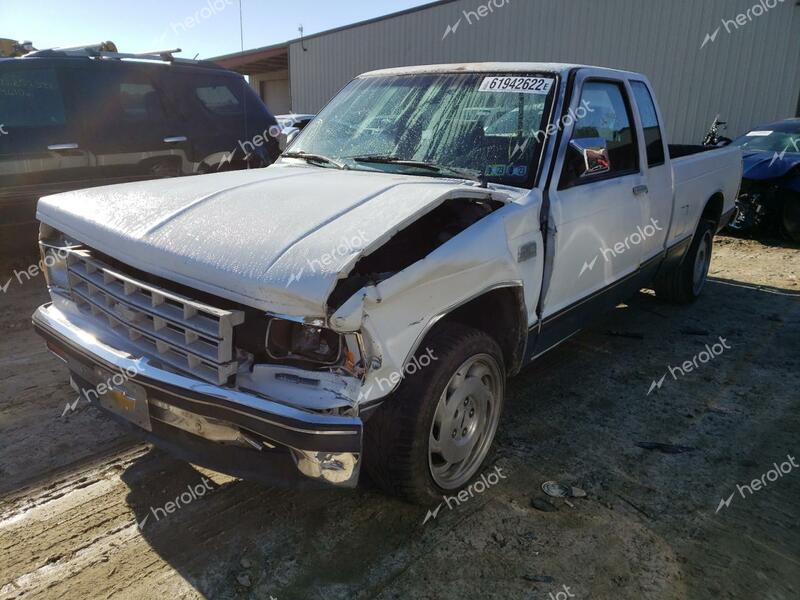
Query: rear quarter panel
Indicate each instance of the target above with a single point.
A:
(696, 179)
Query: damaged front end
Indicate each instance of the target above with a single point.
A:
(238, 385)
(769, 199)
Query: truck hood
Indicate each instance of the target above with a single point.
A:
(276, 239)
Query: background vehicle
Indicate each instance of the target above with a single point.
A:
(769, 201)
(293, 120)
(77, 118)
(386, 276)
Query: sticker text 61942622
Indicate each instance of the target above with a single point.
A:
(516, 85)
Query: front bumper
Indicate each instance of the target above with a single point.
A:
(325, 448)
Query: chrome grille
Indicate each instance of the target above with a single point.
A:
(186, 334)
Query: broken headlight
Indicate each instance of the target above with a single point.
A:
(301, 341)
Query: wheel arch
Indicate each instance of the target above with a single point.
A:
(713, 209)
(499, 312)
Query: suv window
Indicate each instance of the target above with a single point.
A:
(139, 102)
(219, 99)
(30, 98)
(607, 122)
(652, 130)
(110, 97)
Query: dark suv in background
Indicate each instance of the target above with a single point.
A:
(79, 118)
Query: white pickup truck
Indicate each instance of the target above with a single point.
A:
(364, 300)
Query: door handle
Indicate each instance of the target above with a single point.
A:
(175, 139)
(59, 147)
(639, 190)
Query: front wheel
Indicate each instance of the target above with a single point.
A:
(433, 434)
(684, 282)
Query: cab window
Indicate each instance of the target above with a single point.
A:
(654, 141)
(603, 143)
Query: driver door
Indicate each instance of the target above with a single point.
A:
(596, 209)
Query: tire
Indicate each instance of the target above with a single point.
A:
(683, 283)
(405, 440)
(791, 218)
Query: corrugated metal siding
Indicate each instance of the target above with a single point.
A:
(750, 76)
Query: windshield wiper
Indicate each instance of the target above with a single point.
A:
(418, 164)
(312, 158)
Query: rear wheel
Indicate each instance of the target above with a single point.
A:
(791, 218)
(434, 433)
(684, 282)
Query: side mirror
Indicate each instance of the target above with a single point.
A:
(291, 134)
(594, 153)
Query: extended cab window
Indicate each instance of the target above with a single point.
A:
(603, 142)
(30, 98)
(653, 139)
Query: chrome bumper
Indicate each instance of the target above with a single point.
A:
(323, 447)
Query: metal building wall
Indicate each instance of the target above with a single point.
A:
(749, 75)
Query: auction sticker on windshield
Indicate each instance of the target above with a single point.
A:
(524, 85)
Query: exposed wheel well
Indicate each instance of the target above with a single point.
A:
(713, 209)
(500, 314)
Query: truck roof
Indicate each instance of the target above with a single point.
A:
(491, 67)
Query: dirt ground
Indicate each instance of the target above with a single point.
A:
(74, 488)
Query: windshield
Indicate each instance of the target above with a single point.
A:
(769, 141)
(484, 124)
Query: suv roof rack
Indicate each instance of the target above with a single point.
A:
(108, 50)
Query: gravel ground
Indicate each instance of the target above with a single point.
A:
(74, 488)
